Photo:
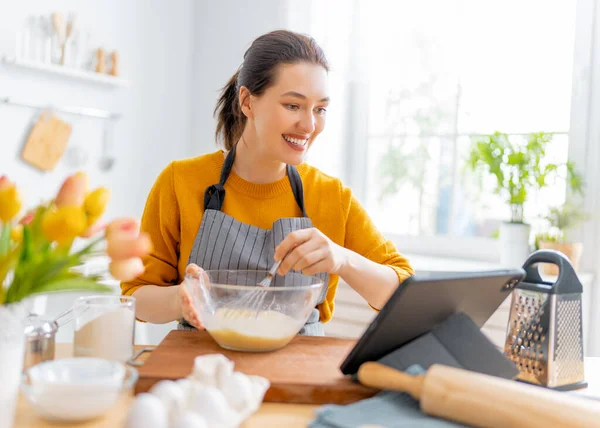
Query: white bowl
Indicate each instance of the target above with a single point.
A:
(76, 389)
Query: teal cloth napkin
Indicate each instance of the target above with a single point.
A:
(387, 409)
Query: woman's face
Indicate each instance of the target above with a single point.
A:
(291, 113)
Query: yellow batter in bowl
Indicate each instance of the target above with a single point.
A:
(251, 331)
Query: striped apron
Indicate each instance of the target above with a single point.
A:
(222, 242)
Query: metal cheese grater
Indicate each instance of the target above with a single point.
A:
(544, 337)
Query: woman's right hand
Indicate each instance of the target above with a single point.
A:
(188, 310)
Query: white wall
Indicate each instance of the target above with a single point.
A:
(223, 31)
(177, 56)
(155, 39)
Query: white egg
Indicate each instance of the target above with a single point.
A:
(190, 420)
(209, 369)
(147, 411)
(210, 403)
(185, 384)
(172, 396)
(260, 386)
(237, 389)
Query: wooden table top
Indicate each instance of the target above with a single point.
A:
(270, 415)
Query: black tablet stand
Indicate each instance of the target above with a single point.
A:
(456, 342)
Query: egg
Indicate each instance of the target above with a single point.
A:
(190, 420)
(237, 389)
(185, 385)
(173, 397)
(210, 369)
(210, 403)
(147, 411)
(260, 386)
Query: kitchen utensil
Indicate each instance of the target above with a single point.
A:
(255, 299)
(305, 371)
(267, 281)
(76, 389)
(58, 24)
(76, 156)
(38, 38)
(40, 337)
(70, 31)
(47, 142)
(107, 161)
(39, 342)
(480, 400)
(46, 33)
(544, 335)
(286, 306)
(23, 40)
(104, 327)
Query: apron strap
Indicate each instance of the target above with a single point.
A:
(214, 195)
(297, 188)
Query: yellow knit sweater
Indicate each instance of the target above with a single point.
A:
(174, 211)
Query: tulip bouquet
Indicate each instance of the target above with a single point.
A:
(37, 254)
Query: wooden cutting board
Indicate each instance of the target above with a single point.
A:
(46, 142)
(305, 371)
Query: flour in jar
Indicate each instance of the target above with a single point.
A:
(109, 336)
(244, 330)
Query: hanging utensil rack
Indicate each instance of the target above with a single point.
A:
(76, 110)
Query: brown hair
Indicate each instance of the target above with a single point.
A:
(257, 73)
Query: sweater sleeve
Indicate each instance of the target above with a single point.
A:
(161, 221)
(363, 237)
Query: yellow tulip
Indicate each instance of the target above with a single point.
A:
(73, 190)
(16, 233)
(95, 203)
(64, 224)
(10, 200)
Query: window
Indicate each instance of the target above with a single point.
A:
(434, 74)
(471, 68)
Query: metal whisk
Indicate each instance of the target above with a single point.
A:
(253, 301)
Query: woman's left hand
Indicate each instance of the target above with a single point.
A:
(311, 252)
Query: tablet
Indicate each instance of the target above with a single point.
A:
(425, 300)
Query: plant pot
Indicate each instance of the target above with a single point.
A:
(572, 250)
(514, 244)
(12, 345)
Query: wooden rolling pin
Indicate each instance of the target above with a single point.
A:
(484, 401)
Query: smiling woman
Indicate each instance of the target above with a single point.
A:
(278, 208)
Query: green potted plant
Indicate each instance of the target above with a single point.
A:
(561, 220)
(518, 168)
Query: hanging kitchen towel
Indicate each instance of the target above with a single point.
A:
(387, 409)
(47, 142)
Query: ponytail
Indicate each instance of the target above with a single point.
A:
(230, 120)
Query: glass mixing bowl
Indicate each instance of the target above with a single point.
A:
(242, 316)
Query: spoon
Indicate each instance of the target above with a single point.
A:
(106, 160)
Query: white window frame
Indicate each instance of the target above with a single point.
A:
(581, 149)
(585, 134)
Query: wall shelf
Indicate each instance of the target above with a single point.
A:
(69, 72)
